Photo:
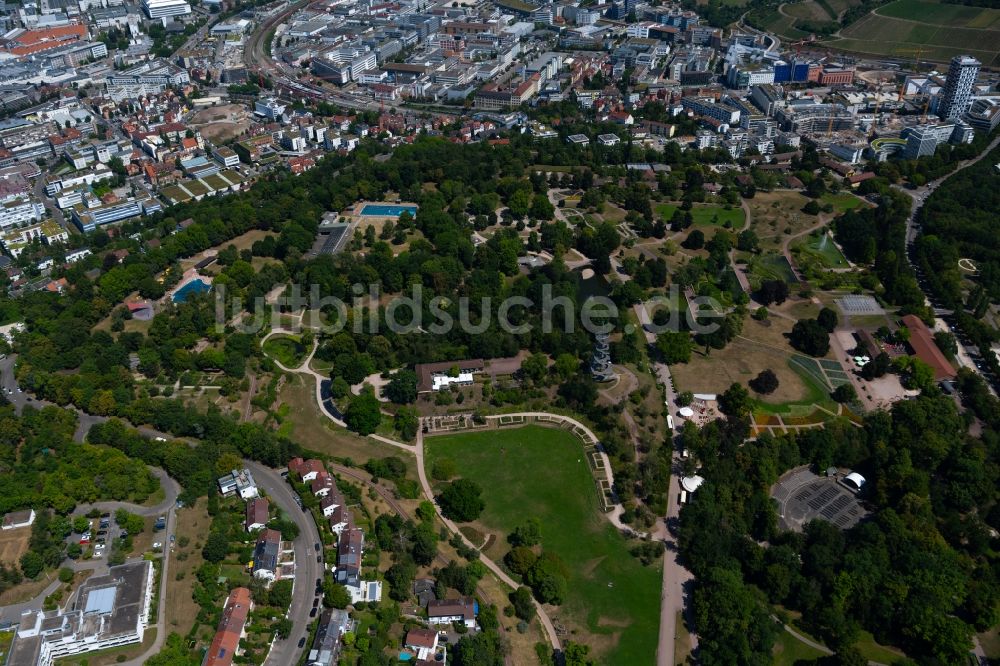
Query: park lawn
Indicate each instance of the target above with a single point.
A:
(286, 349)
(842, 201)
(870, 649)
(776, 215)
(789, 650)
(193, 524)
(761, 346)
(612, 601)
(703, 215)
(308, 426)
(820, 248)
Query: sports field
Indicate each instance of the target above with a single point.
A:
(613, 601)
(940, 30)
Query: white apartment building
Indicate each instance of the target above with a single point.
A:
(20, 210)
(957, 95)
(109, 611)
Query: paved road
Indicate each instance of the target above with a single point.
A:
(84, 421)
(675, 576)
(919, 196)
(99, 566)
(307, 569)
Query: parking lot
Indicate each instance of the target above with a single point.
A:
(101, 531)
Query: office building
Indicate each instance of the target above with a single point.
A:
(957, 95)
(162, 8)
(924, 139)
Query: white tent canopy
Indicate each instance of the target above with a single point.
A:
(855, 479)
(692, 483)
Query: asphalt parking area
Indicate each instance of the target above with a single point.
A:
(803, 496)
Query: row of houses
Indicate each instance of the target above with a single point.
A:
(350, 538)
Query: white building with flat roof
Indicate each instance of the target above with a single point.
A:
(109, 611)
(239, 481)
(161, 8)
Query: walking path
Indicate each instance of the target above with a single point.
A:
(305, 369)
(418, 452)
(675, 577)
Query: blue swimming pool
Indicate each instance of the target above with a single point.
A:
(197, 286)
(380, 210)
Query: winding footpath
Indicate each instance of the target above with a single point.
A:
(675, 576)
(418, 451)
(306, 369)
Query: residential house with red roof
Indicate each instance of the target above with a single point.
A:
(226, 644)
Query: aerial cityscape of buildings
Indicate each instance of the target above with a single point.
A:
(120, 111)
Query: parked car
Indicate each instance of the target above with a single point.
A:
(302, 642)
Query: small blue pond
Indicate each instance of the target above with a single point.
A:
(197, 286)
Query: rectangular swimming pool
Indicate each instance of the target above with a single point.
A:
(381, 210)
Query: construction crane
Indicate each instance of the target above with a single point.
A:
(927, 105)
(878, 101)
(798, 44)
(917, 52)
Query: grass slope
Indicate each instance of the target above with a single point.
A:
(613, 601)
(705, 214)
(286, 349)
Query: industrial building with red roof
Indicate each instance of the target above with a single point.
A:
(922, 342)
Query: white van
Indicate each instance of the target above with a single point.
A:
(684, 497)
(670, 422)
